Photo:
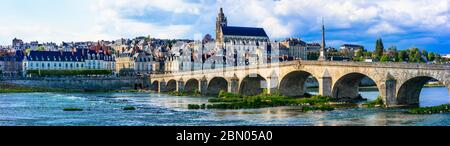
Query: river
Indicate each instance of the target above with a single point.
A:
(46, 109)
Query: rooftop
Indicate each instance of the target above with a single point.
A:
(244, 31)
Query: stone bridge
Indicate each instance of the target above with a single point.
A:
(399, 84)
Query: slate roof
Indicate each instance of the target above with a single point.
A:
(64, 56)
(244, 31)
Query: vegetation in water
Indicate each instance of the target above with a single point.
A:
(235, 101)
(129, 108)
(185, 93)
(72, 109)
(316, 108)
(376, 103)
(431, 110)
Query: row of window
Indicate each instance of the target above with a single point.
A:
(66, 65)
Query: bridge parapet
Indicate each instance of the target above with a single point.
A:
(336, 79)
(315, 63)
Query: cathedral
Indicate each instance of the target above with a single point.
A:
(241, 45)
(225, 33)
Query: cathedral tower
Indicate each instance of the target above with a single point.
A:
(220, 22)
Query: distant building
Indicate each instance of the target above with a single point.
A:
(242, 45)
(294, 49)
(16, 43)
(225, 33)
(79, 59)
(446, 56)
(349, 50)
(134, 61)
(11, 64)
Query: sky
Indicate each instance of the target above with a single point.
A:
(401, 23)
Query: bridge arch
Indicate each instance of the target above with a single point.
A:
(409, 92)
(348, 86)
(252, 84)
(155, 86)
(171, 86)
(293, 84)
(216, 85)
(192, 85)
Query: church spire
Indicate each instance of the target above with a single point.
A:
(323, 56)
(221, 21)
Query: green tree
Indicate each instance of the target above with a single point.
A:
(425, 53)
(367, 54)
(359, 53)
(431, 56)
(418, 57)
(402, 55)
(385, 58)
(379, 48)
(40, 48)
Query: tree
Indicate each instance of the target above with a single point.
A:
(425, 54)
(379, 48)
(40, 48)
(402, 55)
(385, 58)
(367, 54)
(418, 57)
(431, 56)
(359, 53)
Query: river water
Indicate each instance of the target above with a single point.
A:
(46, 109)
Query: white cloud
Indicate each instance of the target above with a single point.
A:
(113, 19)
(280, 18)
(384, 28)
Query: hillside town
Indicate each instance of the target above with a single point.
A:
(142, 56)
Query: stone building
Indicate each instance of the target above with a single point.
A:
(77, 59)
(225, 33)
(11, 64)
(349, 50)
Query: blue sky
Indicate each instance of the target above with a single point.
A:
(403, 23)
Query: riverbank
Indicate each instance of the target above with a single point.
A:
(15, 88)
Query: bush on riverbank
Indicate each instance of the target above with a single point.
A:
(14, 88)
(376, 103)
(431, 110)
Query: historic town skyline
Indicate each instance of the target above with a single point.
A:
(404, 23)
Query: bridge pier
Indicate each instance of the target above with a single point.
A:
(162, 86)
(203, 88)
(272, 85)
(448, 87)
(388, 93)
(233, 86)
(325, 86)
(180, 86)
